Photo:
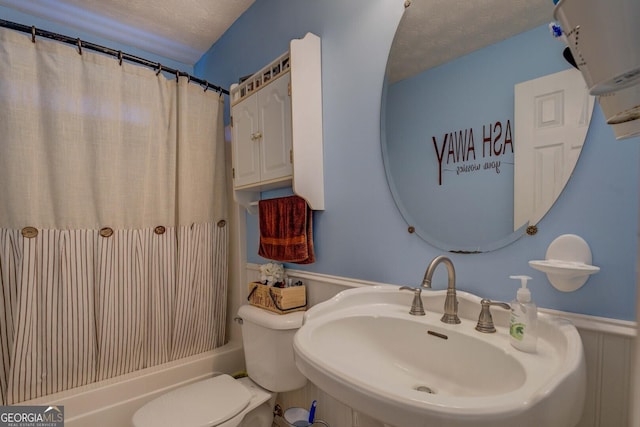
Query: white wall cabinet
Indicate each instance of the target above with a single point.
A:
(277, 127)
(262, 136)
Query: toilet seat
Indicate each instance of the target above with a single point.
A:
(210, 402)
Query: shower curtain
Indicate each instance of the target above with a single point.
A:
(113, 236)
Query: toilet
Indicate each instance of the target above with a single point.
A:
(223, 401)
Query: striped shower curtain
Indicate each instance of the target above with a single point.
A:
(113, 218)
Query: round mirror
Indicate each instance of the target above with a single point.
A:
(461, 75)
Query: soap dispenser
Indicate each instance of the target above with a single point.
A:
(523, 327)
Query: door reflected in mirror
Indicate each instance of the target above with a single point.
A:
(553, 114)
(450, 138)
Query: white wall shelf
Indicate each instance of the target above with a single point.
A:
(301, 126)
(568, 263)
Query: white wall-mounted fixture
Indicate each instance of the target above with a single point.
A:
(621, 106)
(627, 129)
(622, 111)
(567, 263)
(603, 37)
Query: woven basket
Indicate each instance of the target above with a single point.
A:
(278, 300)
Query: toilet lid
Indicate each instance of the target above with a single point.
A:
(204, 403)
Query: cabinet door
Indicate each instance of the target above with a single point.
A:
(245, 145)
(274, 105)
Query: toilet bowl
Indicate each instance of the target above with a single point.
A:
(223, 401)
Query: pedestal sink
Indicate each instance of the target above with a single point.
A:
(365, 349)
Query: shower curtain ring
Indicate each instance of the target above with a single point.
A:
(159, 69)
(33, 33)
(120, 57)
(79, 46)
(206, 85)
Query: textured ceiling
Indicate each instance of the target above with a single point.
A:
(431, 33)
(182, 30)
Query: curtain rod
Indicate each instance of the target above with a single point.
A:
(106, 50)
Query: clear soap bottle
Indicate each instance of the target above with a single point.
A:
(523, 327)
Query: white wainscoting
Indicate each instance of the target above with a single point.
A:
(608, 346)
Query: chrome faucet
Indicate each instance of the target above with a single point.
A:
(417, 309)
(451, 301)
(485, 320)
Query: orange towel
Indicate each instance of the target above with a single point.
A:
(286, 232)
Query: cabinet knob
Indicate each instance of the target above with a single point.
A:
(255, 136)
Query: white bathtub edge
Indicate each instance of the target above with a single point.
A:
(112, 403)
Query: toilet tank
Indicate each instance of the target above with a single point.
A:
(268, 348)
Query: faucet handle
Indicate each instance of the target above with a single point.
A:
(417, 309)
(485, 321)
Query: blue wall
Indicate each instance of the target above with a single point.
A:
(361, 234)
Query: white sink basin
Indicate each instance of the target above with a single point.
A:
(363, 348)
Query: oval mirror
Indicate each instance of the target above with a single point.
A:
(448, 119)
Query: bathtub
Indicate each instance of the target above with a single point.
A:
(112, 403)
